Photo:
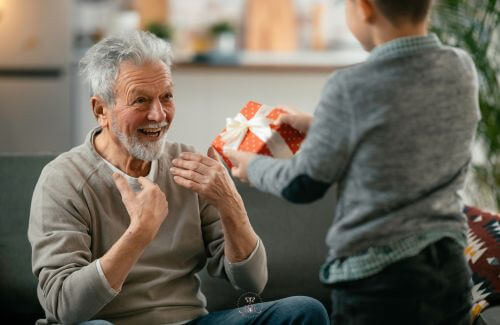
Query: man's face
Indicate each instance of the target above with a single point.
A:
(144, 108)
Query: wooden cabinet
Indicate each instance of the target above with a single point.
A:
(270, 25)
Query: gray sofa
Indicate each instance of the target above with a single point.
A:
(293, 235)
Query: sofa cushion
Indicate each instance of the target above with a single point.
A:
(483, 254)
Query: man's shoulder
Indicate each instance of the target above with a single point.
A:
(73, 166)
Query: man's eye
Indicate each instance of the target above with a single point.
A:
(140, 100)
(168, 96)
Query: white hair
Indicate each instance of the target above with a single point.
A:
(100, 65)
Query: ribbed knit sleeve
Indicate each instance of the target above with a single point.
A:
(249, 275)
(59, 231)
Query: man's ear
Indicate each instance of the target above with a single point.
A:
(367, 10)
(99, 108)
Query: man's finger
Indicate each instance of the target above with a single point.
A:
(197, 157)
(212, 153)
(191, 165)
(189, 174)
(122, 185)
(189, 184)
(145, 182)
(216, 155)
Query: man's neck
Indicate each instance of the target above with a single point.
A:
(110, 148)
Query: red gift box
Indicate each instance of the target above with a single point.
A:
(252, 130)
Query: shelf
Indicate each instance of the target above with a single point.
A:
(257, 61)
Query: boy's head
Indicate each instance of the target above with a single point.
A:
(375, 21)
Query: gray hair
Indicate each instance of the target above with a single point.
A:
(100, 65)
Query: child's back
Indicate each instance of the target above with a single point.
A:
(395, 133)
(407, 117)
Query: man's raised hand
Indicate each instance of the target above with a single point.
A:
(147, 209)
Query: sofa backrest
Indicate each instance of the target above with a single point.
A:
(292, 234)
(18, 176)
(294, 238)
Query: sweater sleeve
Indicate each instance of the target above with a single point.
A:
(249, 275)
(70, 288)
(322, 158)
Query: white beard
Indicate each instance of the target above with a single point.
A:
(147, 151)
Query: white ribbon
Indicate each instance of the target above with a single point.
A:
(259, 124)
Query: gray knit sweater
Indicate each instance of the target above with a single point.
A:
(395, 133)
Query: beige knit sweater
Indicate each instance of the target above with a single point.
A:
(77, 215)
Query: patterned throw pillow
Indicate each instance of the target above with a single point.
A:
(483, 255)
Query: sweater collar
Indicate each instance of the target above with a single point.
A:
(405, 46)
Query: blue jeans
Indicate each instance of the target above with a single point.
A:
(293, 310)
(431, 288)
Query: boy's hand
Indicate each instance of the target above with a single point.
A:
(240, 161)
(300, 121)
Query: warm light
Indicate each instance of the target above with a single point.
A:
(2, 7)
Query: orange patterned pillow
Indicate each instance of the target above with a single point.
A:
(483, 255)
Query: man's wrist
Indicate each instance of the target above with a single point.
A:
(232, 207)
(139, 235)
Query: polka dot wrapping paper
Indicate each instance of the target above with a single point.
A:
(251, 142)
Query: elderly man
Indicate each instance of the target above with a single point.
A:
(121, 224)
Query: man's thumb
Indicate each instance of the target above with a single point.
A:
(211, 153)
(122, 186)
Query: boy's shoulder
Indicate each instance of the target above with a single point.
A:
(449, 57)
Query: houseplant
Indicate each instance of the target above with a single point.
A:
(224, 36)
(162, 30)
(475, 27)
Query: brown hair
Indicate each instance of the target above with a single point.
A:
(395, 10)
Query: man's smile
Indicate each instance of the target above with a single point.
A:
(151, 132)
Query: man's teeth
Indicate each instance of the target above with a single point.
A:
(151, 130)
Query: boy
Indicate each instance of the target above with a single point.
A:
(395, 134)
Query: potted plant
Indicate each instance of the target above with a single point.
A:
(162, 30)
(475, 27)
(224, 36)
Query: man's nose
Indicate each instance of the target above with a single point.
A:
(157, 112)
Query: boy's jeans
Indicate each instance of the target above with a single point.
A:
(433, 287)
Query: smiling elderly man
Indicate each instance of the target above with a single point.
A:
(121, 224)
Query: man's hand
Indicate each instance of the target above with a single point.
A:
(147, 209)
(300, 121)
(209, 178)
(240, 161)
(204, 175)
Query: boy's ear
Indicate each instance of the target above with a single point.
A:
(367, 10)
(99, 109)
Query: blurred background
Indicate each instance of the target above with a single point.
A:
(227, 52)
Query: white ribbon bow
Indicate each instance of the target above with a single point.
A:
(259, 124)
